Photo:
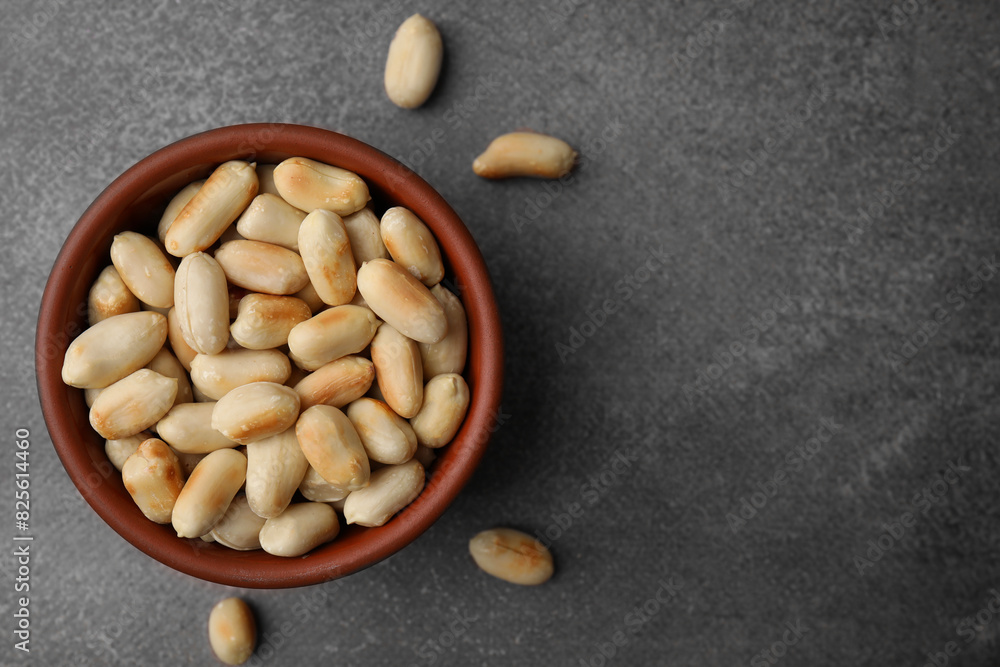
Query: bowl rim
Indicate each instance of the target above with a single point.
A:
(484, 366)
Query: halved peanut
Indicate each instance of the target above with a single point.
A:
(326, 253)
(144, 269)
(232, 631)
(239, 528)
(299, 529)
(113, 348)
(202, 303)
(512, 556)
(412, 245)
(387, 437)
(167, 365)
(218, 374)
(262, 267)
(271, 219)
(132, 404)
(230, 188)
(275, 468)
(308, 185)
(263, 321)
(402, 301)
(211, 487)
(188, 429)
(366, 239)
(414, 62)
(255, 411)
(448, 354)
(446, 400)
(176, 205)
(333, 448)
(153, 477)
(399, 370)
(525, 154)
(330, 335)
(314, 487)
(109, 296)
(119, 450)
(336, 383)
(182, 350)
(391, 489)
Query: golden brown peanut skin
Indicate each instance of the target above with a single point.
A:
(387, 437)
(271, 219)
(399, 371)
(525, 154)
(113, 348)
(366, 238)
(153, 477)
(263, 321)
(446, 400)
(132, 404)
(337, 383)
(232, 631)
(414, 62)
(326, 253)
(412, 245)
(119, 450)
(175, 206)
(230, 188)
(512, 556)
(333, 448)
(255, 411)
(275, 468)
(402, 301)
(144, 269)
(262, 267)
(109, 296)
(308, 185)
(184, 352)
(390, 490)
(211, 487)
(218, 374)
(330, 335)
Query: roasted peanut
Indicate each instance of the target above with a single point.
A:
(271, 219)
(132, 404)
(230, 188)
(512, 556)
(90, 395)
(113, 348)
(311, 298)
(153, 477)
(387, 437)
(402, 301)
(188, 428)
(314, 487)
(188, 461)
(525, 154)
(263, 321)
(412, 245)
(239, 528)
(333, 448)
(336, 383)
(326, 253)
(398, 370)
(255, 411)
(391, 489)
(300, 528)
(119, 450)
(232, 631)
(262, 267)
(446, 400)
(202, 303)
(109, 296)
(218, 374)
(211, 487)
(330, 335)
(275, 468)
(175, 206)
(144, 269)
(308, 185)
(167, 365)
(448, 354)
(366, 239)
(414, 62)
(184, 352)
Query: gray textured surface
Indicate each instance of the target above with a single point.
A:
(111, 83)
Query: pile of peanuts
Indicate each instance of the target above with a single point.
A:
(302, 358)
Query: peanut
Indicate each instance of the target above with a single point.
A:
(308, 185)
(232, 631)
(230, 188)
(255, 411)
(391, 489)
(333, 448)
(218, 374)
(402, 301)
(209, 490)
(525, 154)
(109, 296)
(263, 321)
(202, 303)
(387, 437)
(414, 62)
(113, 348)
(153, 477)
(132, 404)
(144, 269)
(446, 400)
(512, 556)
(300, 528)
(188, 429)
(275, 468)
(271, 219)
(398, 370)
(262, 267)
(330, 335)
(336, 383)
(412, 245)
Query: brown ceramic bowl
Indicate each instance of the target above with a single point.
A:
(135, 201)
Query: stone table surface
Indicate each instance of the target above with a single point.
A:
(752, 360)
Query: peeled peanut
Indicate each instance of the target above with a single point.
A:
(144, 269)
(448, 354)
(412, 245)
(239, 528)
(218, 374)
(387, 437)
(414, 62)
(332, 446)
(167, 365)
(402, 301)
(296, 376)
(132, 404)
(188, 462)
(90, 395)
(255, 411)
(275, 468)
(446, 399)
(314, 487)
(399, 370)
(175, 206)
(113, 348)
(202, 303)
(326, 253)
(109, 296)
(262, 267)
(336, 383)
(265, 180)
(153, 477)
(330, 335)
(271, 219)
(119, 450)
(182, 350)
(311, 298)
(308, 185)
(525, 154)
(188, 429)
(230, 188)
(211, 487)
(232, 631)
(512, 556)
(299, 529)
(391, 489)
(366, 239)
(263, 321)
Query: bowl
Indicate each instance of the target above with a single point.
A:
(135, 200)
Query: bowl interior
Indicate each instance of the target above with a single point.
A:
(135, 201)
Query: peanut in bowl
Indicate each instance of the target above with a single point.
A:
(134, 202)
